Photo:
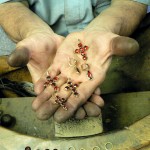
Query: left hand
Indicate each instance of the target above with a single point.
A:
(102, 45)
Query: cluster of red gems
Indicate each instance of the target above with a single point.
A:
(61, 101)
(72, 87)
(82, 49)
(51, 82)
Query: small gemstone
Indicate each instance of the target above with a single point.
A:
(77, 51)
(82, 50)
(65, 108)
(76, 94)
(67, 88)
(55, 78)
(89, 74)
(84, 58)
(56, 101)
(86, 47)
(75, 85)
(78, 71)
(71, 85)
(48, 78)
(62, 104)
(50, 82)
(45, 84)
(80, 45)
(59, 101)
(83, 54)
(63, 100)
(56, 89)
(28, 148)
(73, 90)
(57, 97)
(72, 62)
(53, 84)
(85, 67)
(69, 82)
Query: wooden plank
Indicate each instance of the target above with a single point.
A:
(135, 137)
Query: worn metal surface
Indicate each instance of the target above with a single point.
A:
(120, 111)
(125, 75)
(27, 123)
(134, 138)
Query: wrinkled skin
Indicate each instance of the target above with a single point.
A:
(102, 45)
(38, 51)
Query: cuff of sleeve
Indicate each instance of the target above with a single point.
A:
(146, 2)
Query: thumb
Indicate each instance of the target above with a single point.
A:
(19, 58)
(124, 46)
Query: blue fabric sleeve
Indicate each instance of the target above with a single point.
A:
(146, 2)
(100, 6)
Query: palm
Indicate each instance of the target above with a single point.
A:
(98, 61)
(102, 45)
(98, 56)
(42, 49)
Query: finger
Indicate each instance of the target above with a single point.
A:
(74, 103)
(96, 99)
(49, 109)
(19, 58)
(97, 91)
(123, 46)
(57, 100)
(91, 109)
(47, 93)
(80, 114)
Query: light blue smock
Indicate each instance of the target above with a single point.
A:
(66, 16)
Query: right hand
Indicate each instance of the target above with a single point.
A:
(37, 51)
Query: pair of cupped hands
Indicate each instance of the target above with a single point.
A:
(49, 56)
